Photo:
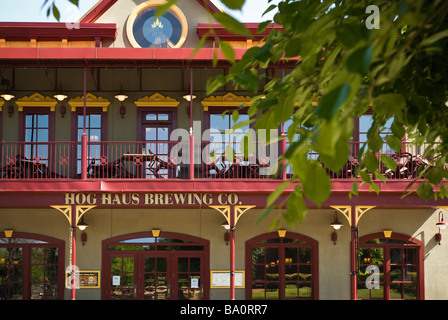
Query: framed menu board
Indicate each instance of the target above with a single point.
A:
(221, 279)
(87, 279)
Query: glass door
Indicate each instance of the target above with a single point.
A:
(123, 278)
(156, 273)
(190, 284)
(157, 128)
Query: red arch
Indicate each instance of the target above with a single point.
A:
(309, 242)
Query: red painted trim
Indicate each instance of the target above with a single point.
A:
(51, 242)
(209, 5)
(112, 57)
(212, 30)
(25, 31)
(102, 6)
(97, 11)
(416, 243)
(106, 272)
(309, 242)
(31, 193)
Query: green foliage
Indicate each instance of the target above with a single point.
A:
(397, 71)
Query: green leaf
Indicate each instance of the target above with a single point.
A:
(435, 175)
(371, 161)
(162, 9)
(435, 37)
(227, 51)
(293, 48)
(332, 101)
(296, 209)
(397, 130)
(262, 26)
(424, 190)
(375, 142)
(248, 80)
(198, 46)
(365, 176)
(75, 2)
(349, 34)
(232, 24)
(56, 13)
(233, 4)
(389, 103)
(338, 159)
(277, 192)
(388, 162)
(216, 83)
(317, 184)
(359, 60)
(264, 214)
(271, 7)
(394, 142)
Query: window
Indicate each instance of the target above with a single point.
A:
(397, 263)
(37, 133)
(157, 126)
(220, 134)
(31, 267)
(281, 268)
(94, 137)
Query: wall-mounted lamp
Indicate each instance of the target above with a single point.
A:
(82, 225)
(189, 97)
(336, 226)
(60, 97)
(226, 226)
(155, 232)
(442, 225)
(8, 233)
(121, 97)
(7, 96)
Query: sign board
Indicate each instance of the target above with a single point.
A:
(221, 279)
(88, 279)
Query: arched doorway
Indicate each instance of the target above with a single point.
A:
(398, 262)
(281, 268)
(141, 266)
(31, 267)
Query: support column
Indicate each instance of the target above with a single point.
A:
(84, 135)
(191, 168)
(73, 213)
(232, 215)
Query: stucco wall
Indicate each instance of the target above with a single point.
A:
(334, 260)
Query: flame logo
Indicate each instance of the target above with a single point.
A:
(157, 24)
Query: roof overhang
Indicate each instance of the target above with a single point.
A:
(103, 5)
(213, 30)
(115, 57)
(48, 31)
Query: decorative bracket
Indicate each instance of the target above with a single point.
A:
(226, 212)
(346, 212)
(67, 212)
(360, 210)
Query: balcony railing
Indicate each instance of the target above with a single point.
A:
(172, 160)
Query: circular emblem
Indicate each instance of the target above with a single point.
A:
(145, 30)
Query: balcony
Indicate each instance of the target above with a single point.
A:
(170, 160)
